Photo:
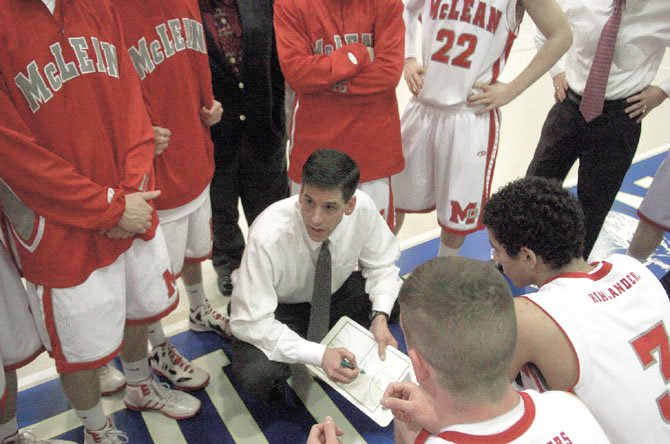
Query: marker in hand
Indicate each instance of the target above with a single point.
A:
(345, 363)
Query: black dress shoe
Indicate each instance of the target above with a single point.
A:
(224, 282)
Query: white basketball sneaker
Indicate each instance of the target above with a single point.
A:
(151, 395)
(107, 435)
(27, 437)
(112, 380)
(205, 318)
(166, 360)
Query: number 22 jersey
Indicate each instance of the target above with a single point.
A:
(463, 42)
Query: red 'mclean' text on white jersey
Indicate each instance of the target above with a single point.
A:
(463, 42)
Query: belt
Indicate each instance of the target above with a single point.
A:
(608, 106)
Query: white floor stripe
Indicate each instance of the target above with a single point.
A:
(629, 199)
(163, 429)
(319, 404)
(226, 401)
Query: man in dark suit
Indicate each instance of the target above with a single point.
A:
(250, 140)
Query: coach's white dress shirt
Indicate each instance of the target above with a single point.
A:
(643, 36)
(278, 267)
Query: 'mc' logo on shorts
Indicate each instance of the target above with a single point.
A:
(466, 215)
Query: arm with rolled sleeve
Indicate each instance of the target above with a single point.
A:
(304, 71)
(383, 73)
(378, 257)
(253, 304)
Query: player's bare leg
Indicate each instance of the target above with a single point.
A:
(143, 392)
(645, 240)
(450, 243)
(82, 388)
(164, 357)
(9, 428)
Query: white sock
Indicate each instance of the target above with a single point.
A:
(196, 295)
(136, 372)
(10, 428)
(94, 418)
(156, 334)
(447, 251)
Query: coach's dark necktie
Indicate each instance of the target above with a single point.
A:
(319, 316)
(593, 98)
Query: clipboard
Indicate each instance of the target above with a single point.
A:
(366, 391)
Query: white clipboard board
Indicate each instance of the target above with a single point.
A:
(366, 391)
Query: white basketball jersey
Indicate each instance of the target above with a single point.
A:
(463, 42)
(617, 319)
(551, 417)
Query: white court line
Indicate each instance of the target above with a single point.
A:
(319, 404)
(233, 412)
(163, 429)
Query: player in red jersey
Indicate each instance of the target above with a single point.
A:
(78, 150)
(343, 60)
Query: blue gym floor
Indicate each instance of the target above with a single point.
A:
(229, 415)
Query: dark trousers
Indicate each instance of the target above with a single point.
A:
(605, 148)
(266, 379)
(256, 181)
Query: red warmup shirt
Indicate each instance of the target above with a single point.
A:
(343, 101)
(74, 133)
(166, 43)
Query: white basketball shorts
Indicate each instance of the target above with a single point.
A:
(82, 326)
(19, 341)
(449, 160)
(189, 235)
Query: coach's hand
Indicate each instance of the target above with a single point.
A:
(642, 104)
(412, 405)
(137, 215)
(560, 87)
(413, 72)
(380, 330)
(330, 363)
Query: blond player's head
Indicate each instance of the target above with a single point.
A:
(458, 315)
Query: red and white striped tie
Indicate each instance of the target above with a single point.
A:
(593, 98)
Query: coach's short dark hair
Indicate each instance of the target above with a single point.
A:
(330, 170)
(538, 214)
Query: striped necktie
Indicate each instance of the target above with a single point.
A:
(319, 317)
(593, 98)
